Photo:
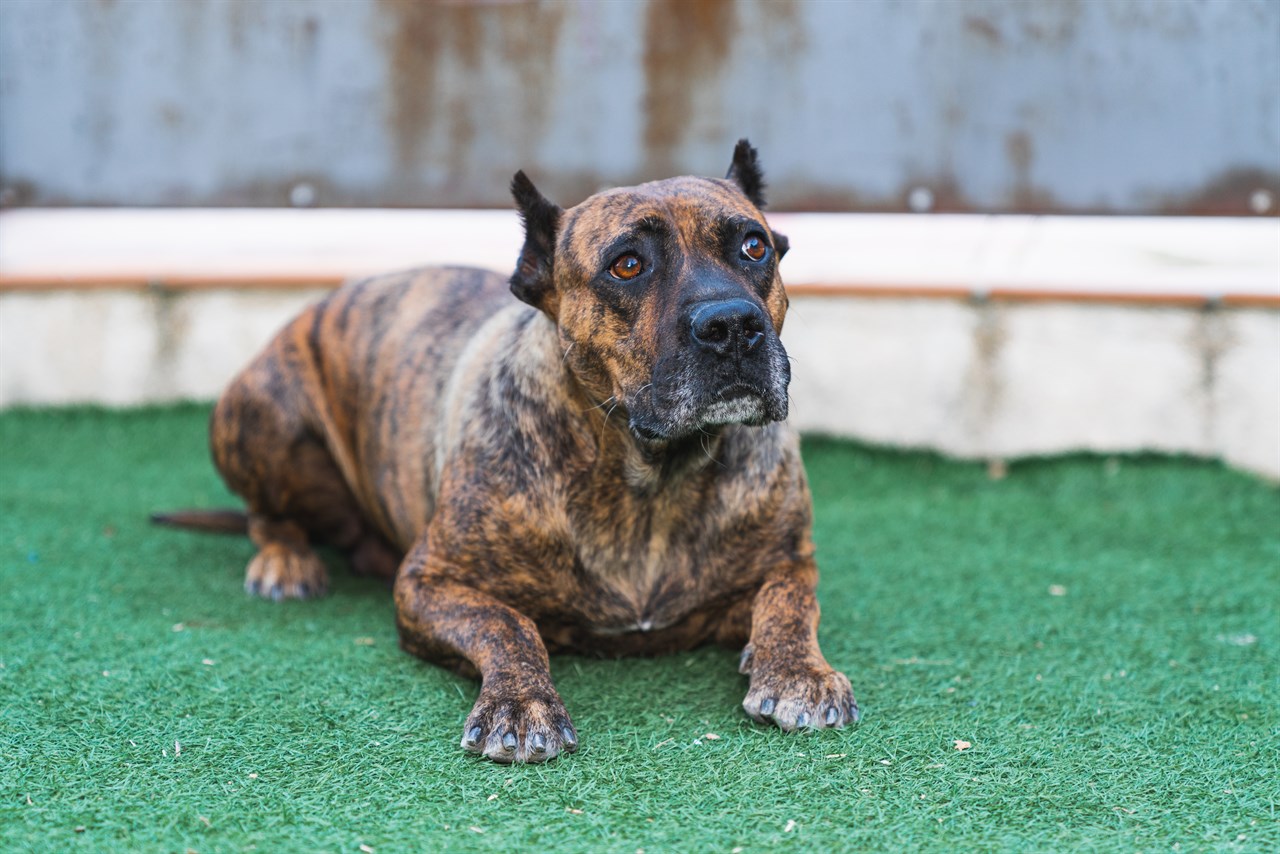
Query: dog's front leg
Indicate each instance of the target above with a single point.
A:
(792, 685)
(518, 717)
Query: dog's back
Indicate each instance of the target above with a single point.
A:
(329, 405)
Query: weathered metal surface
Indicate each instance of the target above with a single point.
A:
(1126, 106)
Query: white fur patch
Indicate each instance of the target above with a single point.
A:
(736, 411)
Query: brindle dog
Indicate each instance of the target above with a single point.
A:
(601, 467)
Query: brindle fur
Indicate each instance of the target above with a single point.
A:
(535, 477)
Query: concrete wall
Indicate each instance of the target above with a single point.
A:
(1016, 379)
(971, 379)
(1125, 106)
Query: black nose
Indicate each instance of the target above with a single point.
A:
(732, 327)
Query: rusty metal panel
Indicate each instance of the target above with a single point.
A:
(1123, 106)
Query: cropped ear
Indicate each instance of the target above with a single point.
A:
(533, 282)
(780, 243)
(745, 172)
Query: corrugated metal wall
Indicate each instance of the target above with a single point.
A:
(1127, 106)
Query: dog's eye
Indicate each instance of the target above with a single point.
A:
(754, 248)
(626, 267)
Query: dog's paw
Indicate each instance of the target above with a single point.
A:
(796, 695)
(279, 572)
(519, 726)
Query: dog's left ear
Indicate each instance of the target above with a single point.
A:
(533, 281)
(780, 243)
(745, 172)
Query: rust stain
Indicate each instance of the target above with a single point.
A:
(412, 51)
(984, 29)
(686, 44)
(440, 57)
(529, 37)
(1021, 153)
(1229, 194)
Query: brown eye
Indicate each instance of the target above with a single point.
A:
(626, 267)
(754, 247)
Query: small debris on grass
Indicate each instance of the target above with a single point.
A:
(208, 662)
(1124, 810)
(205, 820)
(961, 744)
(29, 803)
(177, 750)
(574, 811)
(79, 828)
(106, 673)
(364, 641)
(475, 829)
(661, 743)
(737, 850)
(1242, 639)
(1057, 590)
(836, 755)
(884, 762)
(367, 849)
(492, 797)
(179, 627)
(791, 825)
(711, 736)
(997, 469)
(253, 775)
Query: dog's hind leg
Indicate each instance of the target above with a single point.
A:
(295, 493)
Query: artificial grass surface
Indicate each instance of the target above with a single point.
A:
(1134, 710)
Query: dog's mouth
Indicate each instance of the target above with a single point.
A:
(735, 404)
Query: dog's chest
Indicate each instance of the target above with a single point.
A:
(643, 565)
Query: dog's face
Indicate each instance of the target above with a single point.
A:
(667, 299)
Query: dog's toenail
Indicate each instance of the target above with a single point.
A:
(276, 593)
(473, 737)
(569, 736)
(833, 714)
(509, 741)
(538, 744)
(767, 707)
(803, 719)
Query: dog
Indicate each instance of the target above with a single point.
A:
(599, 466)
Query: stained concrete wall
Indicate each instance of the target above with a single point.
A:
(970, 379)
(1157, 106)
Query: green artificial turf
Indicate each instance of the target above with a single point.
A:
(1102, 632)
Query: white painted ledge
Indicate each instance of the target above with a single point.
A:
(1118, 259)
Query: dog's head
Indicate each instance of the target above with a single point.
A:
(666, 296)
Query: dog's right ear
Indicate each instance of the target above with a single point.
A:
(533, 281)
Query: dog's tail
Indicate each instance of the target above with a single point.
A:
(210, 521)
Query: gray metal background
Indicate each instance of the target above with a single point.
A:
(1131, 106)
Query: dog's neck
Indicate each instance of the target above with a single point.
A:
(647, 466)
